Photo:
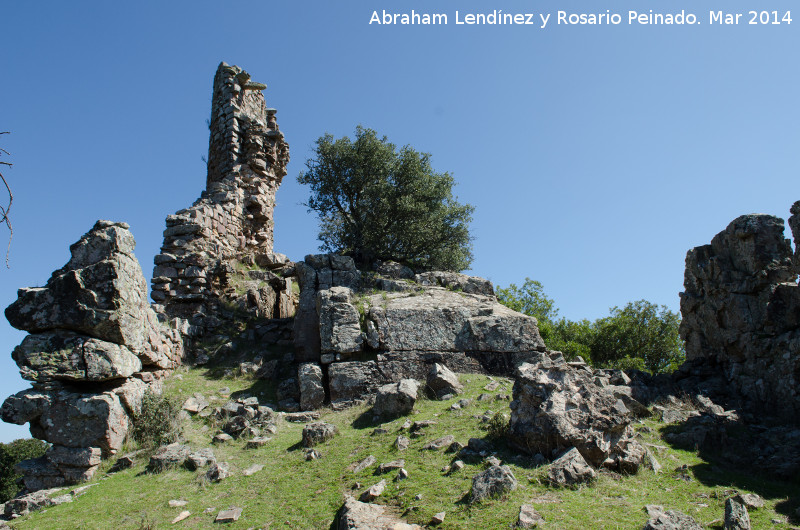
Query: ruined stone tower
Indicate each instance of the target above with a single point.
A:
(230, 227)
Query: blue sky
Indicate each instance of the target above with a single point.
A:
(595, 156)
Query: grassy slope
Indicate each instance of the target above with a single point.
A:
(291, 492)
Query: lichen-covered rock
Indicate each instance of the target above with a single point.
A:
(736, 516)
(669, 520)
(317, 433)
(570, 469)
(441, 381)
(740, 310)
(494, 481)
(167, 457)
(456, 281)
(557, 406)
(339, 325)
(101, 293)
(68, 356)
(356, 515)
(312, 393)
(396, 399)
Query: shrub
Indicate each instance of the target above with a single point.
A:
(12, 454)
(158, 422)
(497, 426)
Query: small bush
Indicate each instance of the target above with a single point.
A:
(497, 427)
(12, 454)
(158, 423)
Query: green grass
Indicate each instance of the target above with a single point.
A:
(291, 492)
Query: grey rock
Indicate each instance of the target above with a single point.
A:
(196, 403)
(201, 458)
(751, 501)
(168, 456)
(529, 517)
(736, 516)
(252, 470)
(373, 492)
(396, 399)
(317, 433)
(438, 518)
(68, 356)
(312, 393)
(218, 471)
(442, 381)
(570, 470)
(439, 443)
(339, 324)
(401, 443)
(231, 515)
(492, 482)
(557, 406)
(361, 465)
(356, 515)
(669, 520)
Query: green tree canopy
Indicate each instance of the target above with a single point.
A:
(377, 202)
(641, 335)
(11, 454)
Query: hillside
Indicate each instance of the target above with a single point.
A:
(291, 492)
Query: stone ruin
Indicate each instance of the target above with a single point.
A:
(741, 316)
(95, 347)
(217, 255)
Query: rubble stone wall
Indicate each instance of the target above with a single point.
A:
(233, 218)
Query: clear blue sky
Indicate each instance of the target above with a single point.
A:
(595, 156)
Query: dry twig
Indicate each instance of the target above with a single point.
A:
(4, 211)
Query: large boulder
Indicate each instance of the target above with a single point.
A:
(557, 406)
(339, 324)
(101, 293)
(312, 393)
(570, 470)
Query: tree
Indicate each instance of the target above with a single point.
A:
(376, 202)
(641, 335)
(12, 454)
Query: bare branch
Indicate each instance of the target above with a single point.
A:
(4, 211)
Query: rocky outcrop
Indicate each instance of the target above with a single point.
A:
(364, 516)
(558, 406)
(95, 347)
(740, 312)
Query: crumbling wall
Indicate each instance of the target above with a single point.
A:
(741, 313)
(95, 347)
(228, 231)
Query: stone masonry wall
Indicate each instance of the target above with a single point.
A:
(233, 218)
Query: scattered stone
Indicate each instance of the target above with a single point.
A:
(570, 470)
(492, 482)
(669, 520)
(301, 417)
(529, 517)
(479, 445)
(361, 465)
(379, 431)
(373, 492)
(439, 443)
(177, 504)
(355, 515)
(441, 381)
(736, 516)
(491, 461)
(198, 459)
(454, 447)
(123, 462)
(485, 397)
(438, 518)
(168, 456)
(181, 516)
(401, 443)
(230, 515)
(492, 386)
(402, 474)
(317, 433)
(389, 466)
(396, 399)
(222, 438)
(313, 454)
(218, 471)
(457, 466)
(258, 441)
(406, 425)
(252, 470)
(750, 500)
(195, 404)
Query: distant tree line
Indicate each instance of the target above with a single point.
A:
(11, 454)
(641, 335)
